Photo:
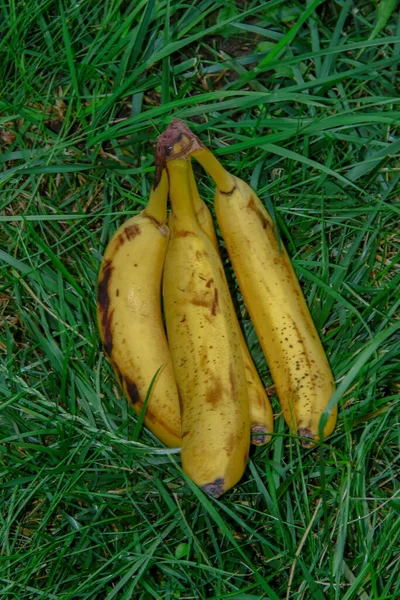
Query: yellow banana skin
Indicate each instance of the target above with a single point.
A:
(205, 346)
(261, 415)
(129, 316)
(274, 299)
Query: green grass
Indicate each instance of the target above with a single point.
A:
(304, 105)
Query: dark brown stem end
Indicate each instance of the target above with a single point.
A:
(178, 141)
(215, 488)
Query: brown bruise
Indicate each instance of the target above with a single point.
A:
(215, 393)
(132, 391)
(209, 283)
(201, 302)
(127, 234)
(132, 231)
(103, 304)
(207, 300)
(214, 305)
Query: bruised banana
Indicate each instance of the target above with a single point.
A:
(274, 299)
(129, 315)
(204, 342)
(261, 415)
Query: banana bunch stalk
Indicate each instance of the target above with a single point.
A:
(273, 296)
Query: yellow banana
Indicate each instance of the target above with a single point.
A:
(129, 315)
(275, 301)
(261, 415)
(204, 342)
(203, 215)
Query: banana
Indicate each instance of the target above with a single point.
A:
(261, 415)
(275, 301)
(129, 315)
(204, 342)
(203, 215)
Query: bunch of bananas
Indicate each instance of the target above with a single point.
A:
(196, 384)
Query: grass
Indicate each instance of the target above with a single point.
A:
(304, 105)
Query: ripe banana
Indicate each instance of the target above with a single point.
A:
(205, 347)
(275, 301)
(129, 315)
(261, 416)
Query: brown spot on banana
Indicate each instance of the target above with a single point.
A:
(127, 234)
(213, 395)
(209, 282)
(201, 302)
(132, 391)
(103, 304)
(214, 305)
(132, 231)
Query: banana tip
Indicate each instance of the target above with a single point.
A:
(306, 433)
(260, 435)
(215, 488)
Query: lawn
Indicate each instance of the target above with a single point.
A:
(301, 100)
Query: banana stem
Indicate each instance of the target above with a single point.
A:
(178, 141)
(211, 164)
(180, 193)
(157, 205)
